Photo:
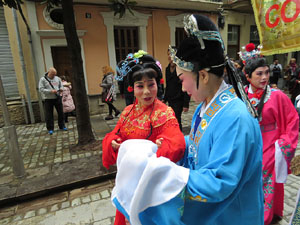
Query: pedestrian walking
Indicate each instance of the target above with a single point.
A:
(148, 118)
(294, 79)
(109, 91)
(219, 179)
(51, 88)
(279, 125)
(67, 99)
(275, 72)
(174, 96)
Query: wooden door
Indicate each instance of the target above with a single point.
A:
(62, 62)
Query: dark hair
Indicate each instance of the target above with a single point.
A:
(213, 54)
(146, 67)
(240, 62)
(253, 64)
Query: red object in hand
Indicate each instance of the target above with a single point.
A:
(161, 81)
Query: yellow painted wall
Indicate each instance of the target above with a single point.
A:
(241, 19)
(26, 52)
(95, 39)
(95, 44)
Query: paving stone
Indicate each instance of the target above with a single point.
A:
(75, 202)
(65, 205)
(77, 215)
(105, 194)
(54, 208)
(86, 199)
(16, 218)
(5, 221)
(42, 211)
(102, 209)
(29, 214)
(107, 221)
(95, 197)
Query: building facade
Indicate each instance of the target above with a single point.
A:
(105, 39)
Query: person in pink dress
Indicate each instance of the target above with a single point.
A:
(279, 123)
(67, 99)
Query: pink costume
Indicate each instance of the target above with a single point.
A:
(279, 127)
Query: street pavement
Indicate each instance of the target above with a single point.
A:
(89, 204)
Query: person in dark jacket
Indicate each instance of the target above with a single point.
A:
(174, 96)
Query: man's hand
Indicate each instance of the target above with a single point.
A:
(185, 109)
(54, 91)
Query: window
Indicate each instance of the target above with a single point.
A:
(126, 41)
(57, 16)
(54, 17)
(179, 36)
(254, 37)
(233, 41)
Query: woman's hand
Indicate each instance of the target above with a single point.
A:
(159, 142)
(115, 144)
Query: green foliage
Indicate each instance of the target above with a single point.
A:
(10, 3)
(120, 6)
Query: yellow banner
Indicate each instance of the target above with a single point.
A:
(278, 24)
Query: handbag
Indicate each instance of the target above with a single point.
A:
(107, 96)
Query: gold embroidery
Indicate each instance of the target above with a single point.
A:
(212, 109)
(138, 117)
(198, 198)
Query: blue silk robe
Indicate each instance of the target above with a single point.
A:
(224, 156)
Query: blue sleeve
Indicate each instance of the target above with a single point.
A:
(231, 141)
(183, 161)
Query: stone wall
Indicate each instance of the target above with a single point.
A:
(17, 113)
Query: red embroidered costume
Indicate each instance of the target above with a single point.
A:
(134, 123)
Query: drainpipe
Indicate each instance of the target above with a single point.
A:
(42, 113)
(23, 66)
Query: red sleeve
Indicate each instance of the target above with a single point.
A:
(109, 156)
(289, 122)
(173, 144)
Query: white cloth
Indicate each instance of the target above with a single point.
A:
(281, 168)
(298, 102)
(143, 180)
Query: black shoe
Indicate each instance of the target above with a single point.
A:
(117, 113)
(109, 117)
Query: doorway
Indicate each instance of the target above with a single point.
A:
(62, 64)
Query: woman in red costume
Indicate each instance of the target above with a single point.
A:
(148, 118)
(279, 124)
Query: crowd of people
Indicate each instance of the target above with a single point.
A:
(232, 166)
